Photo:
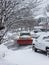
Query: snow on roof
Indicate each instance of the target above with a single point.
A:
(3, 50)
(24, 31)
(38, 27)
(39, 16)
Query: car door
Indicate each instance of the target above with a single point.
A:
(37, 44)
(41, 44)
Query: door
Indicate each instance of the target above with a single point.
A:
(41, 45)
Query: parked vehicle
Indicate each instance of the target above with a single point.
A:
(24, 38)
(42, 43)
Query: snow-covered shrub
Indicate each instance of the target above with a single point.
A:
(3, 50)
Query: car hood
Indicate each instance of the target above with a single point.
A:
(25, 36)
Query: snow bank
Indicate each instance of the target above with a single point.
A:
(8, 35)
(3, 50)
(5, 62)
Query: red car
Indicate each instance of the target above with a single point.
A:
(24, 38)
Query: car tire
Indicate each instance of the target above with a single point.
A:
(35, 49)
(47, 53)
(20, 45)
(32, 47)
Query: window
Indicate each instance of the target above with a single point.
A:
(24, 34)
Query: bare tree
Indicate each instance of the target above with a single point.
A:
(6, 9)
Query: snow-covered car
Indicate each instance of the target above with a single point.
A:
(42, 43)
(24, 38)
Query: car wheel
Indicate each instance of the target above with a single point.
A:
(47, 53)
(32, 47)
(20, 45)
(35, 49)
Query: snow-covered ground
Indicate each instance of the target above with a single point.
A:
(3, 53)
(24, 55)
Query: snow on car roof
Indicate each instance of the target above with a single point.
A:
(24, 32)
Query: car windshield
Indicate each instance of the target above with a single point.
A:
(46, 37)
(21, 34)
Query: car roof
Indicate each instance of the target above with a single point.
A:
(24, 32)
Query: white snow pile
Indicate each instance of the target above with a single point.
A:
(3, 50)
(8, 34)
(3, 53)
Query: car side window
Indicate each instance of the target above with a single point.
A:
(21, 34)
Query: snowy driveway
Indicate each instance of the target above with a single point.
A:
(26, 57)
(23, 55)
